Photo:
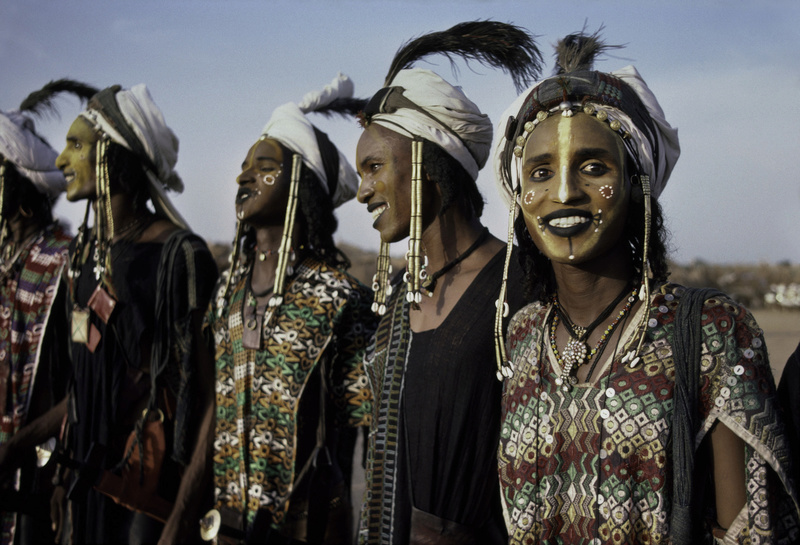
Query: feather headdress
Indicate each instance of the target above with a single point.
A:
(492, 43)
(42, 101)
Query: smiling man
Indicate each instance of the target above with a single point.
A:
(139, 283)
(431, 468)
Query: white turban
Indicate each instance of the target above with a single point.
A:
(462, 131)
(657, 167)
(30, 155)
(154, 139)
(289, 125)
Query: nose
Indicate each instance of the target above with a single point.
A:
(245, 177)
(61, 161)
(365, 190)
(568, 186)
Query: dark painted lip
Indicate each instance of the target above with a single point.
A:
(243, 194)
(567, 231)
(373, 206)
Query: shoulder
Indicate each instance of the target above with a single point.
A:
(525, 321)
(333, 280)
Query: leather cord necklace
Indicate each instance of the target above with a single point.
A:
(429, 284)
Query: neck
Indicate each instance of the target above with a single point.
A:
(267, 238)
(585, 290)
(448, 236)
(124, 213)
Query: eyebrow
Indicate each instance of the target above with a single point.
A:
(262, 158)
(368, 159)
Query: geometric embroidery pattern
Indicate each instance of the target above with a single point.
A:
(593, 465)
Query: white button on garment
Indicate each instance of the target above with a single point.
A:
(757, 342)
(669, 297)
(663, 309)
(610, 392)
(600, 499)
(603, 456)
(545, 419)
(725, 392)
(720, 401)
(605, 413)
(652, 322)
(749, 353)
(549, 439)
(739, 369)
(731, 381)
(544, 395)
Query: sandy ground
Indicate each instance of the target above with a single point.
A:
(782, 334)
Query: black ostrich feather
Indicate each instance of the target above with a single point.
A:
(346, 107)
(578, 52)
(42, 101)
(492, 43)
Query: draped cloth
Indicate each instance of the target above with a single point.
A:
(30, 155)
(130, 118)
(290, 126)
(435, 417)
(27, 293)
(594, 464)
(623, 95)
(448, 118)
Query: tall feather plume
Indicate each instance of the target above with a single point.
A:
(345, 107)
(499, 45)
(42, 101)
(578, 52)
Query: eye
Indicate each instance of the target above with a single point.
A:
(540, 174)
(595, 168)
(374, 167)
(77, 145)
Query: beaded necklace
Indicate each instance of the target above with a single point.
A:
(573, 356)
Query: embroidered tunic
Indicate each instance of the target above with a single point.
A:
(593, 465)
(324, 317)
(27, 293)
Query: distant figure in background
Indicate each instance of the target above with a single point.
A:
(431, 465)
(290, 328)
(634, 410)
(34, 364)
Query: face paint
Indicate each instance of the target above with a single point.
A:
(263, 188)
(571, 167)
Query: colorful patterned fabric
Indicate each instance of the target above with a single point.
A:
(26, 296)
(324, 316)
(593, 465)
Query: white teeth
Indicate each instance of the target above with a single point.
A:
(378, 211)
(568, 221)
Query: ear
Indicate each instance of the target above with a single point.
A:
(25, 212)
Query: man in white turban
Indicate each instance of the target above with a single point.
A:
(290, 327)
(139, 283)
(431, 464)
(33, 363)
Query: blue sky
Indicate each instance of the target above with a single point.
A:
(727, 75)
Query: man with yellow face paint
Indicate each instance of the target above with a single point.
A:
(629, 413)
(138, 284)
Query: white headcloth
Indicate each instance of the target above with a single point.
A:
(155, 139)
(30, 155)
(462, 131)
(657, 167)
(289, 125)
